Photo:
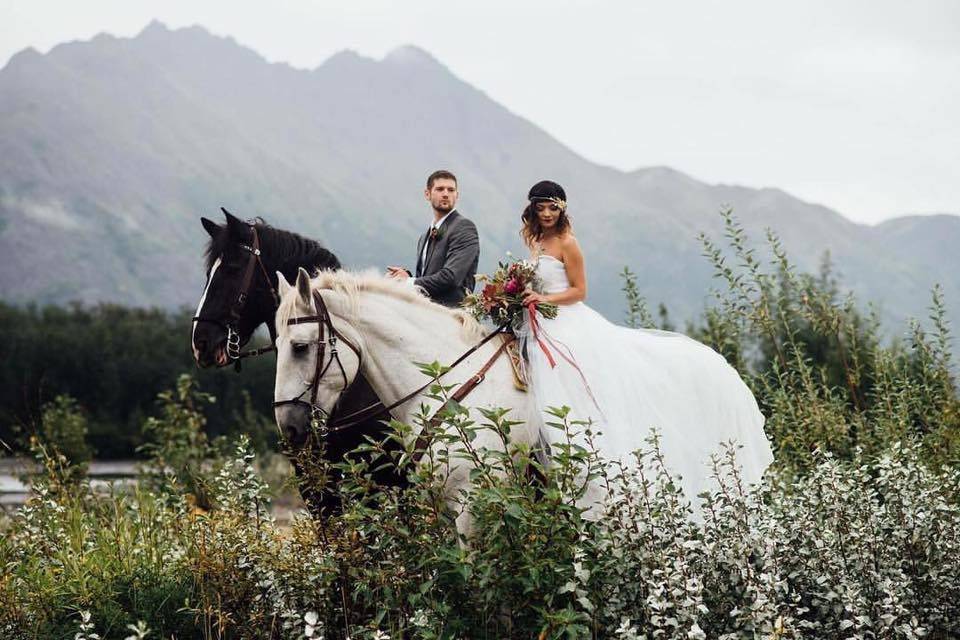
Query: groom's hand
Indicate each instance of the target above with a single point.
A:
(398, 273)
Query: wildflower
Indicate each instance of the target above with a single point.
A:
(310, 617)
(140, 631)
(419, 618)
(85, 628)
(626, 630)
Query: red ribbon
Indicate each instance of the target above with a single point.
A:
(535, 327)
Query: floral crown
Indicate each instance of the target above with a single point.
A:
(562, 204)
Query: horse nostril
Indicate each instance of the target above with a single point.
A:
(296, 435)
(201, 345)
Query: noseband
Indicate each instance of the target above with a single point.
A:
(236, 309)
(327, 335)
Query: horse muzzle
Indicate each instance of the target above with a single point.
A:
(207, 354)
(293, 421)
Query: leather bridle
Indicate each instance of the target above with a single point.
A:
(329, 335)
(236, 309)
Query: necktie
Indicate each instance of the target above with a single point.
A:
(431, 232)
(422, 258)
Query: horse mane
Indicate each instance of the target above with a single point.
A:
(280, 247)
(352, 284)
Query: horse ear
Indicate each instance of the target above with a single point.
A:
(282, 285)
(212, 227)
(234, 224)
(303, 285)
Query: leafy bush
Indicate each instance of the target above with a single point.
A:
(177, 446)
(60, 443)
(819, 369)
(869, 546)
(63, 427)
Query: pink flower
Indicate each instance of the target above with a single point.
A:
(513, 286)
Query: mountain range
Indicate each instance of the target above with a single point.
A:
(111, 149)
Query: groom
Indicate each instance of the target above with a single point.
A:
(448, 252)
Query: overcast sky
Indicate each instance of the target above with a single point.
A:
(851, 104)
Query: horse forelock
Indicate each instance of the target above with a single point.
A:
(352, 285)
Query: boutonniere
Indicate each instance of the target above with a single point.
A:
(435, 233)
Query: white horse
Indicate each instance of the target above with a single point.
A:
(382, 327)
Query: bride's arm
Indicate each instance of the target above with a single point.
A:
(576, 274)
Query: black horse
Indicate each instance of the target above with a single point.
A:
(243, 259)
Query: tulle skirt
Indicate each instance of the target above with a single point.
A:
(630, 381)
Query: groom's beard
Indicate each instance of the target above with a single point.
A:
(444, 208)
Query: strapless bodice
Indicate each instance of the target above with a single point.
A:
(553, 274)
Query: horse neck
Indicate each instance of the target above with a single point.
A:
(287, 253)
(398, 333)
(275, 260)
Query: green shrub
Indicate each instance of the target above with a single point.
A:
(819, 369)
(869, 546)
(177, 447)
(60, 443)
(63, 427)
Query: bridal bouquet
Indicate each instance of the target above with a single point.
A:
(501, 298)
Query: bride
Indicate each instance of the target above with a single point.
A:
(628, 381)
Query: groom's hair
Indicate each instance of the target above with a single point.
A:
(440, 174)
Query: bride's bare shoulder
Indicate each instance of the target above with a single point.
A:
(568, 242)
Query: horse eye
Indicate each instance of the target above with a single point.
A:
(300, 348)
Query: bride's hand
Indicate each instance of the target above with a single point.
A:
(534, 297)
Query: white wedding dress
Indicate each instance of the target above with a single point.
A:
(633, 380)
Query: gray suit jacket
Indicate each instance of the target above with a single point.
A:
(451, 265)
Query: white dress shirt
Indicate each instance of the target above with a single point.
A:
(426, 244)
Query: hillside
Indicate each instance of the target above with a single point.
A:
(111, 149)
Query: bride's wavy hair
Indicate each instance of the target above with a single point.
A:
(546, 192)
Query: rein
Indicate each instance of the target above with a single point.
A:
(319, 417)
(236, 309)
